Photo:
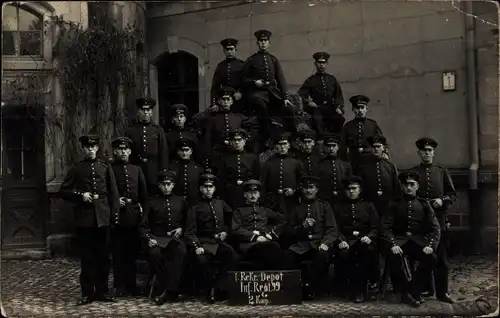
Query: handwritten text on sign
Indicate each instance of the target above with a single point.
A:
(264, 288)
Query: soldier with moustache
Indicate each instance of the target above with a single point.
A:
(280, 178)
(265, 88)
(436, 186)
(91, 186)
(380, 176)
(323, 98)
(178, 130)
(228, 73)
(355, 132)
(256, 230)
(307, 154)
(235, 168)
(219, 125)
(332, 170)
(162, 229)
(149, 144)
(187, 171)
(206, 234)
(410, 230)
(315, 231)
(131, 186)
(356, 246)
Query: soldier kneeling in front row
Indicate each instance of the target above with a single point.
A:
(358, 224)
(162, 228)
(315, 231)
(256, 237)
(207, 234)
(410, 229)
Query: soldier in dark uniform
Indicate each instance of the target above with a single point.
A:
(280, 178)
(207, 234)
(162, 228)
(133, 195)
(256, 230)
(323, 99)
(436, 186)
(216, 139)
(265, 87)
(355, 132)
(381, 183)
(332, 170)
(91, 186)
(178, 131)
(235, 168)
(149, 148)
(410, 229)
(228, 73)
(356, 247)
(315, 232)
(188, 172)
(307, 155)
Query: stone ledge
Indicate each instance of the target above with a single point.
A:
(25, 254)
(61, 244)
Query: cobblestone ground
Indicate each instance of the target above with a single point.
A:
(49, 288)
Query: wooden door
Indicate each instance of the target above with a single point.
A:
(24, 196)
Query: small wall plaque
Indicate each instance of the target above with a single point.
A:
(449, 81)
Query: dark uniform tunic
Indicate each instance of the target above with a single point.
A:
(205, 219)
(325, 91)
(310, 162)
(131, 186)
(227, 73)
(331, 172)
(308, 240)
(165, 214)
(436, 182)
(92, 219)
(174, 135)
(149, 151)
(380, 182)
(278, 173)
(356, 219)
(353, 143)
(218, 127)
(411, 224)
(251, 221)
(187, 183)
(234, 169)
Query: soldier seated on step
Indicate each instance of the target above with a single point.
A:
(410, 230)
(162, 228)
(206, 234)
(256, 230)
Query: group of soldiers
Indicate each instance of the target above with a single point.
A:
(204, 197)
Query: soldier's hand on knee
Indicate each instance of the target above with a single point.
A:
(366, 240)
(343, 245)
(396, 250)
(261, 239)
(323, 247)
(428, 250)
(152, 243)
(222, 236)
(177, 232)
(122, 202)
(87, 197)
(199, 251)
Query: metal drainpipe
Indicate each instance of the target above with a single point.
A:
(471, 96)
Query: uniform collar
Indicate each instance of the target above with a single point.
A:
(426, 165)
(90, 160)
(360, 119)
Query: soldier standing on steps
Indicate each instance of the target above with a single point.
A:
(91, 186)
(125, 237)
(162, 228)
(437, 187)
(149, 148)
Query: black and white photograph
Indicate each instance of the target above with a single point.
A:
(250, 158)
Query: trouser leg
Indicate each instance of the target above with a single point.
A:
(87, 267)
(175, 254)
(102, 260)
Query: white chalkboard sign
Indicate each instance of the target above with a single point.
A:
(264, 288)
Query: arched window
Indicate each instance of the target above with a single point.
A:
(22, 31)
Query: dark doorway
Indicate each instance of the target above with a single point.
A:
(177, 84)
(24, 196)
